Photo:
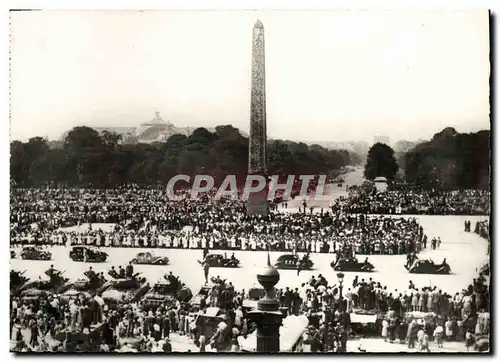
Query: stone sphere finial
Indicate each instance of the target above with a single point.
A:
(268, 276)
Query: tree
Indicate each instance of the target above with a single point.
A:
(19, 162)
(91, 159)
(380, 162)
(450, 161)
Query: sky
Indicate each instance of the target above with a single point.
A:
(330, 75)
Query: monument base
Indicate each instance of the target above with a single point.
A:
(257, 203)
(257, 206)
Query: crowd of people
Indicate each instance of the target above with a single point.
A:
(440, 315)
(482, 228)
(88, 322)
(365, 199)
(148, 219)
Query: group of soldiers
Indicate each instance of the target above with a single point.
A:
(122, 273)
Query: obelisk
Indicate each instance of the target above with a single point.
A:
(257, 155)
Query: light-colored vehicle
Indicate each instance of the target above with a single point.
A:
(150, 259)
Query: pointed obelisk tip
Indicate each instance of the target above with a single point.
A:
(258, 24)
(268, 259)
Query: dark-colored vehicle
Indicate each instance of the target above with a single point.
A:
(12, 254)
(421, 266)
(82, 342)
(352, 265)
(84, 286)
(219, 261)
(80, 253)
(150, 259)
(33, 253)
(17, 280)
(290, 261)
(202, 293)
(125, 290)
(254, 294)
(165, 292)
(35, 289)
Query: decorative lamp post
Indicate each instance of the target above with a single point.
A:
(268, 316)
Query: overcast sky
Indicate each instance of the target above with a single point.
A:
(331, 75)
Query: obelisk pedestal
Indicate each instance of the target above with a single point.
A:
(257, 203)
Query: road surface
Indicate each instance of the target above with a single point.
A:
(465, 252)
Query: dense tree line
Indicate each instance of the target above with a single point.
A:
(88, 158)
(449, 161)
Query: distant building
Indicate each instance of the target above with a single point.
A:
(156, 130)
(382, 139)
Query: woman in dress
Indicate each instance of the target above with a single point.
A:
(385, 326)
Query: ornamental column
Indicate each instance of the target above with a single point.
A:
(268, 316)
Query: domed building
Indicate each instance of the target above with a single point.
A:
(156, 130)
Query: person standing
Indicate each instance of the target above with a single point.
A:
(203, 343)
(234, 345)
(385, 327)
(165, 325)
(448, 329)
(469, 340)
(438, 335)
(34, 332)
(167, 346)
(424, 343)
(129, 270)
(206, 270)
(411, 334)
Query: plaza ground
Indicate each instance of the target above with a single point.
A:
(465, 253)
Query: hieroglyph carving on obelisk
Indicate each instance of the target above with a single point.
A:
(257, 155)
(258, 139)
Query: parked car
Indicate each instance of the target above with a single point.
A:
(291, 261)
(150, 259)
(34, 253)
(352, 265)
(421, 266)
(220, 261)
(84, 253)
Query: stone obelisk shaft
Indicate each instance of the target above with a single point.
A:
(257, 148)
